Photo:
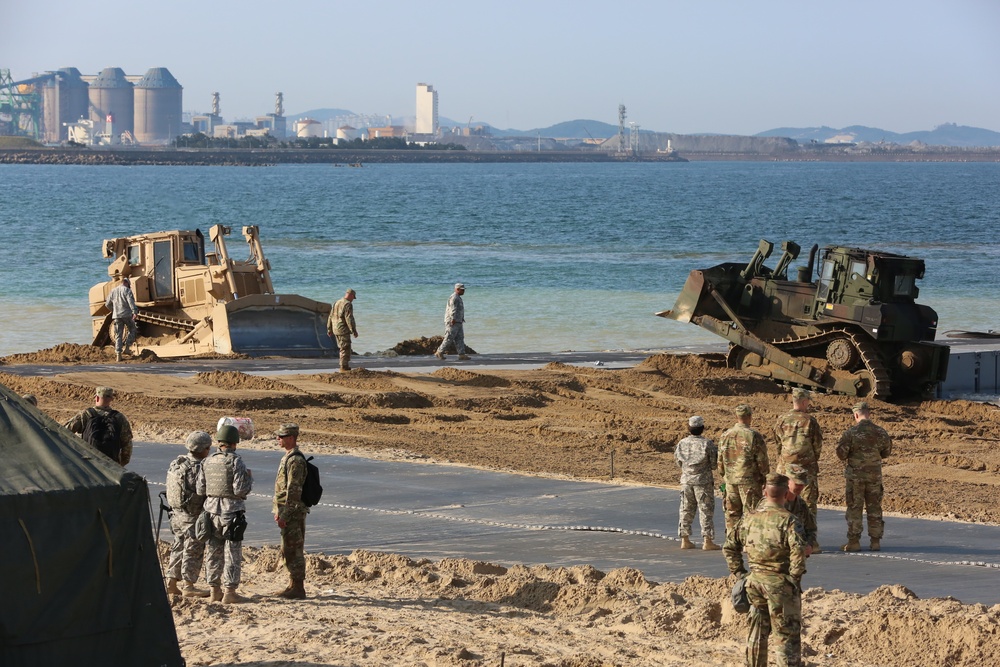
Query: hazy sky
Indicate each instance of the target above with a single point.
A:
(686, 66)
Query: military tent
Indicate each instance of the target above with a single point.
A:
(79, 572)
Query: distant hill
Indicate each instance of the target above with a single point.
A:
(319, 114)
(948, 134)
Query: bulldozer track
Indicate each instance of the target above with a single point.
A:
(881, 380)
(166, 321)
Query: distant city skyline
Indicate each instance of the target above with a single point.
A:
(684, 66)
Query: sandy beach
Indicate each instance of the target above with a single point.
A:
(368, 608)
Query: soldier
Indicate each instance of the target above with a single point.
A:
(454, 325)
(862, 447)
(186, 552)
(103, 427)
(800, 441)
(743, 464)
(225, 481)
(341, 327)
(798, 478)
(290, 512)
(121, 303)
(697, 456)
(775, 548)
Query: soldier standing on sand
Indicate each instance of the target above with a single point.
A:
(862, 447)
(800, 440)
(454, 325)
(341, 327)
(186, 552)
(697, 456)
(225, 481)
(290, 512)
(743, 464)
(121, 303)
(775, 548)
(102, 433)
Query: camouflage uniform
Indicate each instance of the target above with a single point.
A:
(289, 507)
(863, 446)
(186, 552)
(776, 550)
(121, 303)
(78, 424)
(697, 456)
(454, 325)
(743, 464)
(225, 482)
(341, 325)
(800, 510)
(800, 440)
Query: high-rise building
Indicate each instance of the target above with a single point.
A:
(427, 110)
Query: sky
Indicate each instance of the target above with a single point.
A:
(683, 66)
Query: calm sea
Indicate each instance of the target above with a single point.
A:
(555, 256)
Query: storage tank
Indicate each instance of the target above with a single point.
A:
(110, 93)
(308, 128)
(64, 100)
(158, 106)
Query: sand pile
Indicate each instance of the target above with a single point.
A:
(374, 608)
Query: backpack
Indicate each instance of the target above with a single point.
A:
(102, 433)
(180, 496)
(312, 490)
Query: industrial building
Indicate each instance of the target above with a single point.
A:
(427, 110)
(111, 107)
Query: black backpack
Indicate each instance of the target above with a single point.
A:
(102, 433)
(312, 490)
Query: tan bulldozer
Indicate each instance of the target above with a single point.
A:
(194, 302)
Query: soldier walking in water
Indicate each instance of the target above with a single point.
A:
(225, 481)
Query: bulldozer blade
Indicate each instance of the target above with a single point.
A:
(282, 325)
(689, 300)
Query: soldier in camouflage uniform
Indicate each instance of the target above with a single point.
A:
(186, 552)
(697, 456)
(121, 303)
(800, 441)
(798, 478)
(775, 548)
(743, 464)
(454, 325)
(341, 326)
(862, 447)
(290, 512)
(225, 482)
(103, 396)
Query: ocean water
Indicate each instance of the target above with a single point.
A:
(555, 256)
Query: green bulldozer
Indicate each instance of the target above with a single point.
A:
(847, 325)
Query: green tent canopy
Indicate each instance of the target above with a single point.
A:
(79, 574)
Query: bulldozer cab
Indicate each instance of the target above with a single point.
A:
(852, 276)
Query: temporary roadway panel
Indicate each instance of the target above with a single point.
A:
(425, 510)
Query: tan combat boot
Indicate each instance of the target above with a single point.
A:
(118, 356)
(283, 591)
(686, 543)
(232, 597)
(464, 357)
(172, 587)
(216, 593)
(709, 545)
(439, 355)
(296, 591)
(817, 549)
(191, 592)
(876, 544)
(852, 545)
